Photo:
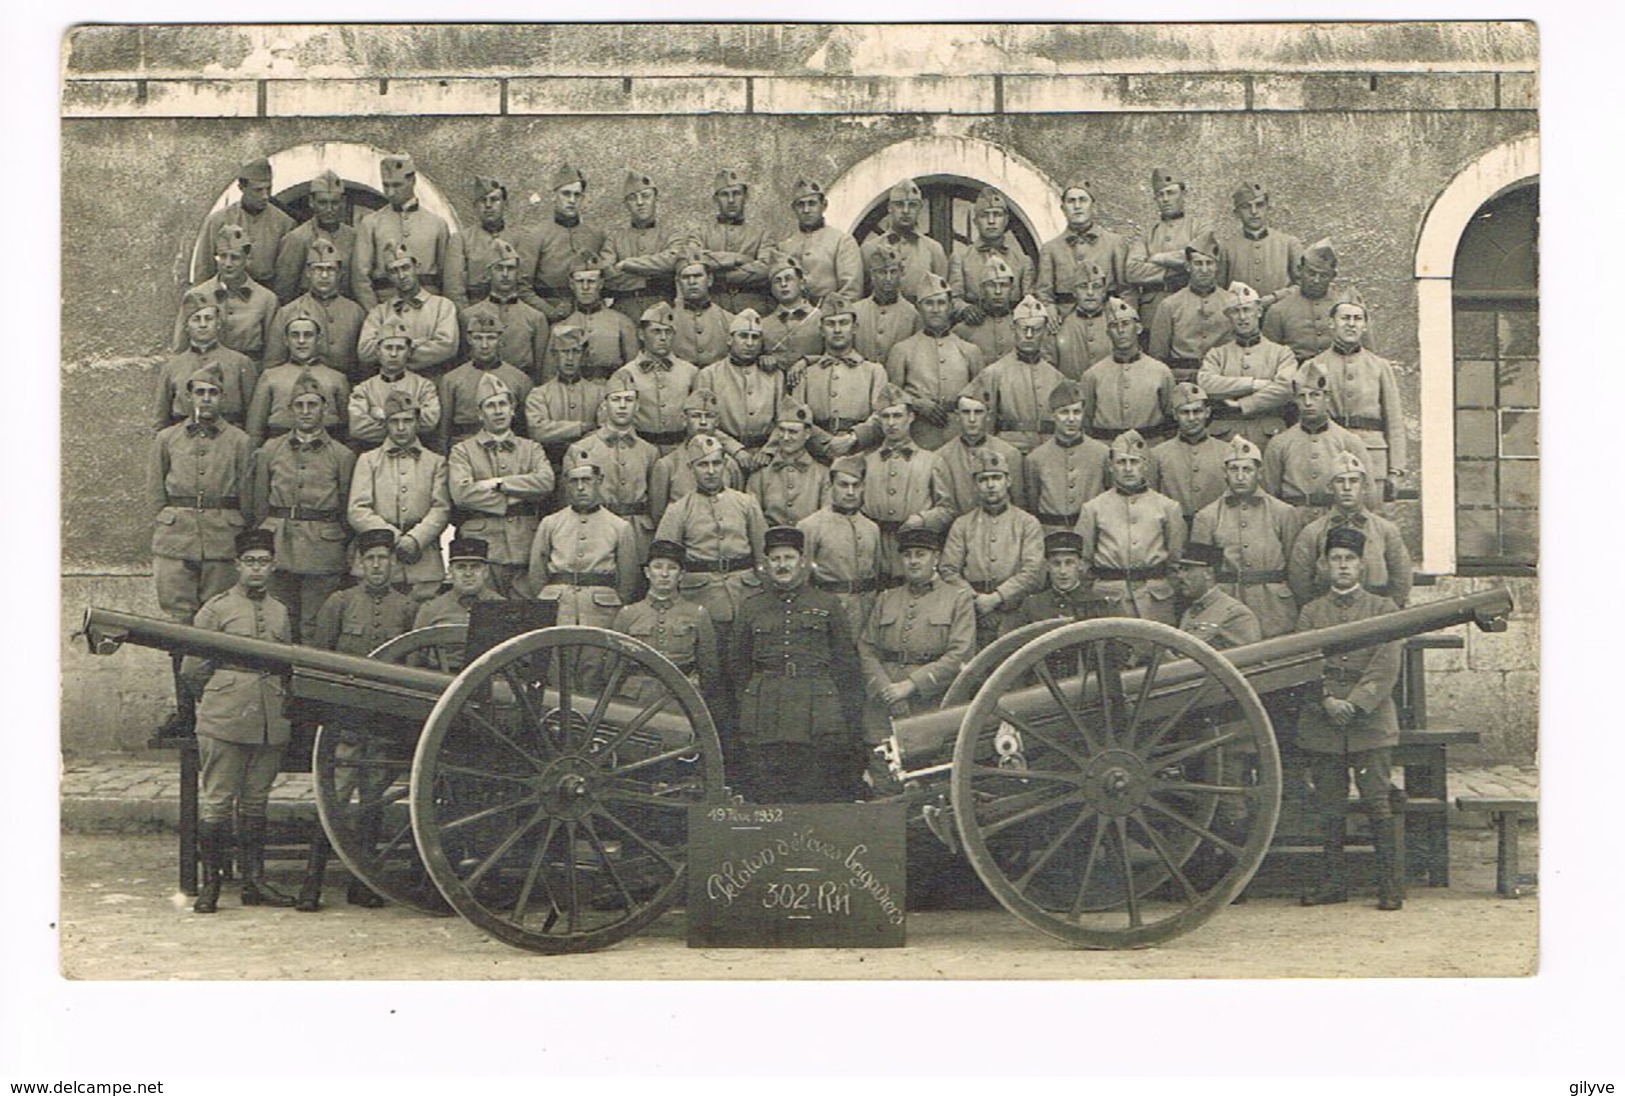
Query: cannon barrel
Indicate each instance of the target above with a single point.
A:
(926, 741)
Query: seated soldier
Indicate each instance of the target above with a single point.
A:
(676, 627)
(1069, 594)
(584, 557)
(468, 566)
(997, 548)
(1210, 614)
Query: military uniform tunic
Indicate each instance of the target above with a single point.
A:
(994, 337)
(1129, 538)
(1388, 569)
(1268, 262)
(1157, 283)
(198, 483)
(367, 418)
(937, 367)
(723, 534)
(612, 340)
(301, 490)
(1256, 533)
(898, 484)
(924, 636)
(678, 629)
(953, 475)
(1189, 324)
(1017, 397)
(238, 377)
(270, 411)
(843, 556)
(803, 668)
(700, 335)
(525, 335)
(741, 280)
(381, 233)
(1060, 259)
(505, 520)
(841, 391)
(967, 270)
(340, 321)
(647, 255)
(626, 461)
(266, 230)
(1132, 395)
(662, 387)
(671, 477)
(1190, 473)
(748, 399)
(359, 620)
(405, 490)
(830, 260)
(1302, 324)
(559, 243)
(1081, 343)
(1000, 554)
(559, 412)
(789, 490)
(588, 560)
(1298, 462)
(247, 315)
(792, 332)
(920, 253)
(290, 279)
(238, 705)
(1220, 621)
(1364, 678)
(880, 327)
(468, 261)
(1081, 602)
(1226, 374)
(458, 401)
(1061, 477)
(450, 607)
(430, 319)
(1363, 396)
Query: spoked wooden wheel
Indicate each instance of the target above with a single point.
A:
(1116, 782)
(362, 768)
(965, 684)
(550, 810)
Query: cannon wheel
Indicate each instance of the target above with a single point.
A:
(549, 808)
(962, 690)
(1135, 802)
(362, 773)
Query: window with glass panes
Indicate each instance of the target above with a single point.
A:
(949, 215)
(1497, 360)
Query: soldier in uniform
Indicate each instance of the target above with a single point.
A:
(997, 548)
(470, 573)
(1210, 614)
(676, 627)
(843, 543)
(340, 318)
(1192, 321)
(994, 332)
(430, 318)
(470, 254)
(1249, 376)
(1082, 340)
(1354, 726)
(368, 404)
(526, 334)
(1068, 594)
(791, 485)
(1300, 316)
(934, 366)
(197, 485)
(401, 488)
(828, 257)
(1017, 386)
(247, 308)
(1129, 390)
(748, 394)
(900, 230)
(612, 339)
(700, 325)
(241, 731)
(735, 250)
(328, 226)
(459, 389)
(885, 317)
(661, 379)
(560, 243)
(625, 459)
(270, 413)
(898, 484)
(499, 485)
(671, 477)
(1263, 258)
(1157, 263)
(263, 223)
(584, 557)
(840, 385)
(790, 330)
(1255, 532)
(1387, 562)
(1067, 470)
(800, 730)
(564, 409)
(1362, 393)
(640, 256)
(301, 489)
(238, 374)
(1130, 534)
(1298, 461)
(402, 225)
(967, 268)
(1084, 241)
(1189, 467)
(953, 475)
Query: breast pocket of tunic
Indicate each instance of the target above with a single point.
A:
(1159, 589)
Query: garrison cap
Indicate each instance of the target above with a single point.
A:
(1345, 536)
(882, 255)
(700, 399)
(636, 181)
(306, 314)
(399, 401)
(255, 171)
(566, 337)
(1201, 555)
(1089, 273)
(464, 549)
(849, 465)
(306, 385)
(1186, 393)
(1241, 448)
(1030, 308)
(746, 320)
(586, 262)
(1128, 444)
(779, 261)
(1161, 177)
(374, 538)
(490, 387)
(1079, 184)
(1063, 540)
(321, 251)
(394, 169)
(1320, 255)
(728, 177)
(784, 536)
(791, 413)
(988, 461)
(693, 255)
(919, 538)
(250, 540)
(1240, 294)
(484, 184)
(565, 175)
(1119, 309)
(1348, 296)
(1065, 394)
(502, 251)
(933, 285)
(394, 327)
(397, 253)
(1345, 463)
(905, 191)
(806, 188)
(576, 457)
(231, 238)
(997, 270)
(991, 198)
(1205, 245)
(1311, 374)
(658, 313)
(208, 374)
(668, 549)
(196, 300)
(701, 446)
(484, 316)
(973, 392)
(837, 304)
(1246, 192)
(327, 184)
(620, 382)
(890, 396)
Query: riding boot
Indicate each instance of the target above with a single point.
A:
(310, 890)
(212, 839)
(182, 722)
(1390, 883)
(251, 844)
(1334, 886)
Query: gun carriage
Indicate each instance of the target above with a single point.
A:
(1113, 782)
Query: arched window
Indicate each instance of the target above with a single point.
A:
(948, 216)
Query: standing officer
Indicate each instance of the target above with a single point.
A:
(625, 459)
(263, 223)
(238, 374)
(997, 548)
(525, 331)
(829, 257)
(735, 251)
(1189, 467)
(1068, 594)
(1255, 254)
(671, 477)
(1298, 463)
(967, 269)
(241, 731)
(1387, 562)
(640, 256)
(1129, 390)
(327, 225)
(900, 230)
(994, 332)
(247, 308)
(469, 255)
(840, 385)
(791, 330)
(197, 486)
(584, 557)
(565, 408)
(340, 318)
(1211, 615)
(560, 242)
(368, 400)
(401, 226)
(672, 625)
(499, 485)
(270, 412)
(1249, 375)
(700, 325)
(1130, 534)
(470, 574)
(612, 339)
(843, 543)
(748, 394)
(885, 317)
(800, 713)
(1255, 533)
(1067, 470)
(1362, 393)
(460, 389)
(1300, 316)
(401, 488)
(1353, 727)
(1082, 340)
(1192, 321)
(430, 318)
(898, 484)
(1084, 241)
(661, 379)
(301, 489)
(1017, 386)
(953, 473)
(934, 366)
(791, 485)
(1157, 263)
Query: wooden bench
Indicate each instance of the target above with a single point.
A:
(1505, 813)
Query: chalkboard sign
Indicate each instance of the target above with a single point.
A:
(796, 876)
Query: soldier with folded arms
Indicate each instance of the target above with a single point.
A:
(401, 488)
(500, 485)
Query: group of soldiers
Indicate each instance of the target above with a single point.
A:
(724, 448)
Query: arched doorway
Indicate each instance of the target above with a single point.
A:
(949, 208)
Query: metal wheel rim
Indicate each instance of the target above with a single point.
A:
(962, 690)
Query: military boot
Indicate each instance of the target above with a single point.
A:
(251, 845)
(310, 889)
(1334, 874)
(212, 839)
(1390, 880)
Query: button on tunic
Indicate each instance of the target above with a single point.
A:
(1060, 478)
(896, 485)
(1133, 395)
(1190, 473)
(1060, 259)
(406, 491)
(953, 479)
(1256, 532)
(1226, 374)
(1364, 678)
(937, 367)
(678, 629)
(727, 525)
(490, 514)
(558, 246)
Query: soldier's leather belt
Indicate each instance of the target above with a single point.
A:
(389, 283)
(723, 566)
(792, 669)
(664, 437)
(627, 509)
(1251, 578)
(1130, 574)
(204, 502)
(581, 578)
(888, 526)
(516, 508)
(986, 586)
(757, 441)
(1067, 520)
(1362, 422)
(303, 513)
(904, 658)
(1314, 498)
(1024, 428)
(890, 582)
(841, 586)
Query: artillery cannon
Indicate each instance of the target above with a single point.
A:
(1113, 782)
